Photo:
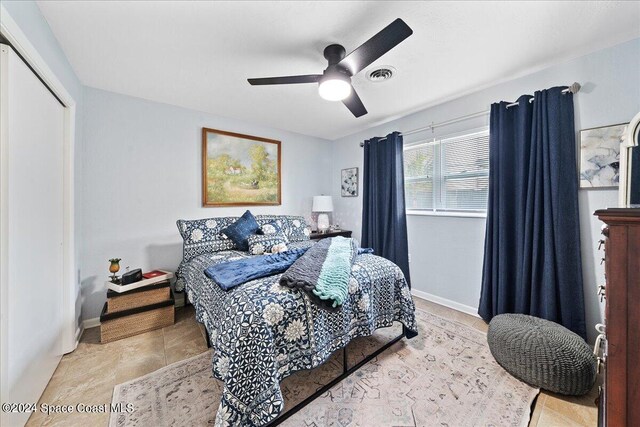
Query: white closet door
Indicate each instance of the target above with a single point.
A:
(33, 218)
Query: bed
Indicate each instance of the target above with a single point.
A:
(262, 332)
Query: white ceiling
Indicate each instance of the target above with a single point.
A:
(199, 54)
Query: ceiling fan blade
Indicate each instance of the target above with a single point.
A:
(376, 46)
(354, 104)
(285, 80)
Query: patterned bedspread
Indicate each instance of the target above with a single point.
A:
(263, 332)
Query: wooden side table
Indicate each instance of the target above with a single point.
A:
(317, 236)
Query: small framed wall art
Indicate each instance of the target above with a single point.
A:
(600, 156)
(349, 182)
(239, 170)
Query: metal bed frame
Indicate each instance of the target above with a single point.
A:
(346, 371)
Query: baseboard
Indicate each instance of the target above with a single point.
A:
(90, 323)
(473, 311)
(79, 331)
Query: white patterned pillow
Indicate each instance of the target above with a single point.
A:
(294, 227)
(260, 244)
(298, 230)
(271, 228)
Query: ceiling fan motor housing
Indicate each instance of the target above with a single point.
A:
(334, 73)
(334, 53)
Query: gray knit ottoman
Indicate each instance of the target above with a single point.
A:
(542, 353)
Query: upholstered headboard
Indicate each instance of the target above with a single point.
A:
(202, 236)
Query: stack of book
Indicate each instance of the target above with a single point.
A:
(150, 278)
(137, 307)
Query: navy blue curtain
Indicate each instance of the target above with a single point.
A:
(384, 220)
(532, 261)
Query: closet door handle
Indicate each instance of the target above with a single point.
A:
(601, 340)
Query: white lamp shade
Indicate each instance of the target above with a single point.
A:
(322, 204)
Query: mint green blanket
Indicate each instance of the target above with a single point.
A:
(333, 283)
(324, 271)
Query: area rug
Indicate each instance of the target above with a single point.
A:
(446, 376)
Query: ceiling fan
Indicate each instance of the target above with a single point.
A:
(334, 84)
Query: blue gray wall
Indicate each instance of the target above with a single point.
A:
(447, 252)
(142, 172)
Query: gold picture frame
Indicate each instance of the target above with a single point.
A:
(240, 170)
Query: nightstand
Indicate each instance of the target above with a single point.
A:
(317, 236)
(137, 308)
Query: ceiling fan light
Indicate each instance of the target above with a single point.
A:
(333, 89)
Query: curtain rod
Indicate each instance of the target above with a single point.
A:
(445, 123)
(574, 88)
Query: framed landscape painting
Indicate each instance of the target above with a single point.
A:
(600, 156)
(239, 170)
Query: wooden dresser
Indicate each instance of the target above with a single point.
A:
(620, 398)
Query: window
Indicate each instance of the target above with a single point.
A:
(449, 174)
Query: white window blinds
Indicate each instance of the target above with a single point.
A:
(450, 174)
(418, 176)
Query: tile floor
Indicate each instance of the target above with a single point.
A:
(89, 374)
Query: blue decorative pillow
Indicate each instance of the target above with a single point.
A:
(240, 230)
(260, 244)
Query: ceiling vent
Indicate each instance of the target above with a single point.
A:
(382, 73)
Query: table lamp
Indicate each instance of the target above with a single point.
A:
(322, 205)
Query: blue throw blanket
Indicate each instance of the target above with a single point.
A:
(230, 274)
(233, 273)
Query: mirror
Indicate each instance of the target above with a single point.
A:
(630, 165)
(634, 173)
